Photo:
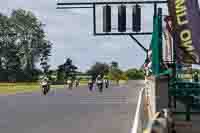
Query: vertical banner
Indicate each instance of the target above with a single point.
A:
(186, 30)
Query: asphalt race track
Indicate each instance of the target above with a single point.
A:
(76, 111)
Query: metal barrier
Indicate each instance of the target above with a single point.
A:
(140, 119)
(162, 122)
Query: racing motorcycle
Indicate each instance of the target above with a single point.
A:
(90, 85)
(70, 84)
(100, 85)
(45, 87)
(106, 83)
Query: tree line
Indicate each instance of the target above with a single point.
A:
(111, 71)
(23, 43)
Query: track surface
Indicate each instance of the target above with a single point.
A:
(76, 111)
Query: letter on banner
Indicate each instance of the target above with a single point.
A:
(186, 18)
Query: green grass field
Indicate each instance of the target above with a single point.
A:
(14, 88)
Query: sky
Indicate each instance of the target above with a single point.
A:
(71, 32)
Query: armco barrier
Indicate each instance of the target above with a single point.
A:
(140, 119)
(162, 122)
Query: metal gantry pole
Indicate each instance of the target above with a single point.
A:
(174, 73)
(139, 43)
(155, 9)
(94, 19)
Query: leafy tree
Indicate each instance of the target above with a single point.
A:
(12, 63)
(70, 69)
(30, 40)
(115, 74)
(134, 74)
(4, 28)
(45, 66)
(60, 73)
(98, 69)
(114, 64)
(24, 25)
(9, 60)
(22, 45)
(44, 57)
(66, 70)
(124, 76)
(67, 67)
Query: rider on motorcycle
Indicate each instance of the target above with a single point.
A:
(69, 83)
(45, 81)
(90, 84)
(45, 84)
(99, 83)
(77, 81)
(106, 82)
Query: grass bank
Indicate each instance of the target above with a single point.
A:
(14, 88)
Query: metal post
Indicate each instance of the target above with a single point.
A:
(155, 9)
(188, 116)
(170, 101)
(174, 73)
(174, 101)
(94, 19)
(156, 43)
(139, 43)
(160, 39)
(174, 57)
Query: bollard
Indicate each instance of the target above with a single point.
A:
(174, 100)
(188, 116)
(188, 100)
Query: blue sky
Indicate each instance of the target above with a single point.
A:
(71, 34)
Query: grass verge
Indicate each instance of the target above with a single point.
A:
(14, 88)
